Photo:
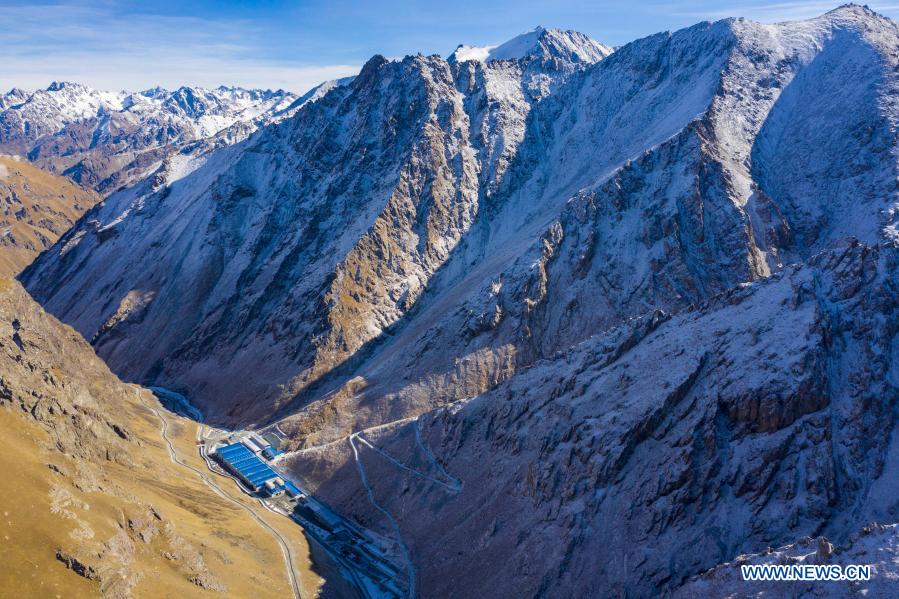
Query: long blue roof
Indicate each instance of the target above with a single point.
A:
(234, 449)
(246, 463)
(242, 461)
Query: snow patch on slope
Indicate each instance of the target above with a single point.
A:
(181, 165)
(477, 53)
(517, 47)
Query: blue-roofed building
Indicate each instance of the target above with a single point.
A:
(245, 465)
(275, 487)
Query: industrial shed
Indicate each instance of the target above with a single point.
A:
(245, 465)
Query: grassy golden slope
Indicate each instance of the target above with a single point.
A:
(37, 208)
(91, 504)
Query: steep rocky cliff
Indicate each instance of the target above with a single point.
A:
(526, 202)
(715, 200)
(298, 247)
(655, 450)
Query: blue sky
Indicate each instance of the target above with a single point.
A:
(294, 45)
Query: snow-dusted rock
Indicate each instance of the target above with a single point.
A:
(533, 216)
(540, 44)
(343, 212)
(656, 450)
(687, 218)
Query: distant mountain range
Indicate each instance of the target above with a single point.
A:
(107, 140)
(594, 322)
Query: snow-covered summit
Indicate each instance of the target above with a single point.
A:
(539, 43)
(49, 110)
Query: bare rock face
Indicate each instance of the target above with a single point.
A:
(75, 565)
(694, 214)
(523, 202)
(360, 199)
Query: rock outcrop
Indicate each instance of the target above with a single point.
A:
(652, 452)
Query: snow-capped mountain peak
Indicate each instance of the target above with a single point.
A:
(56, 86)
(538, 43)
(13, 97)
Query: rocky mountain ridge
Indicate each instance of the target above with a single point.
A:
(355, 162)
(541, 44)
(600, 472)
(481, 174)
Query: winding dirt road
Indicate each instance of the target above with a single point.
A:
(173, 455)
